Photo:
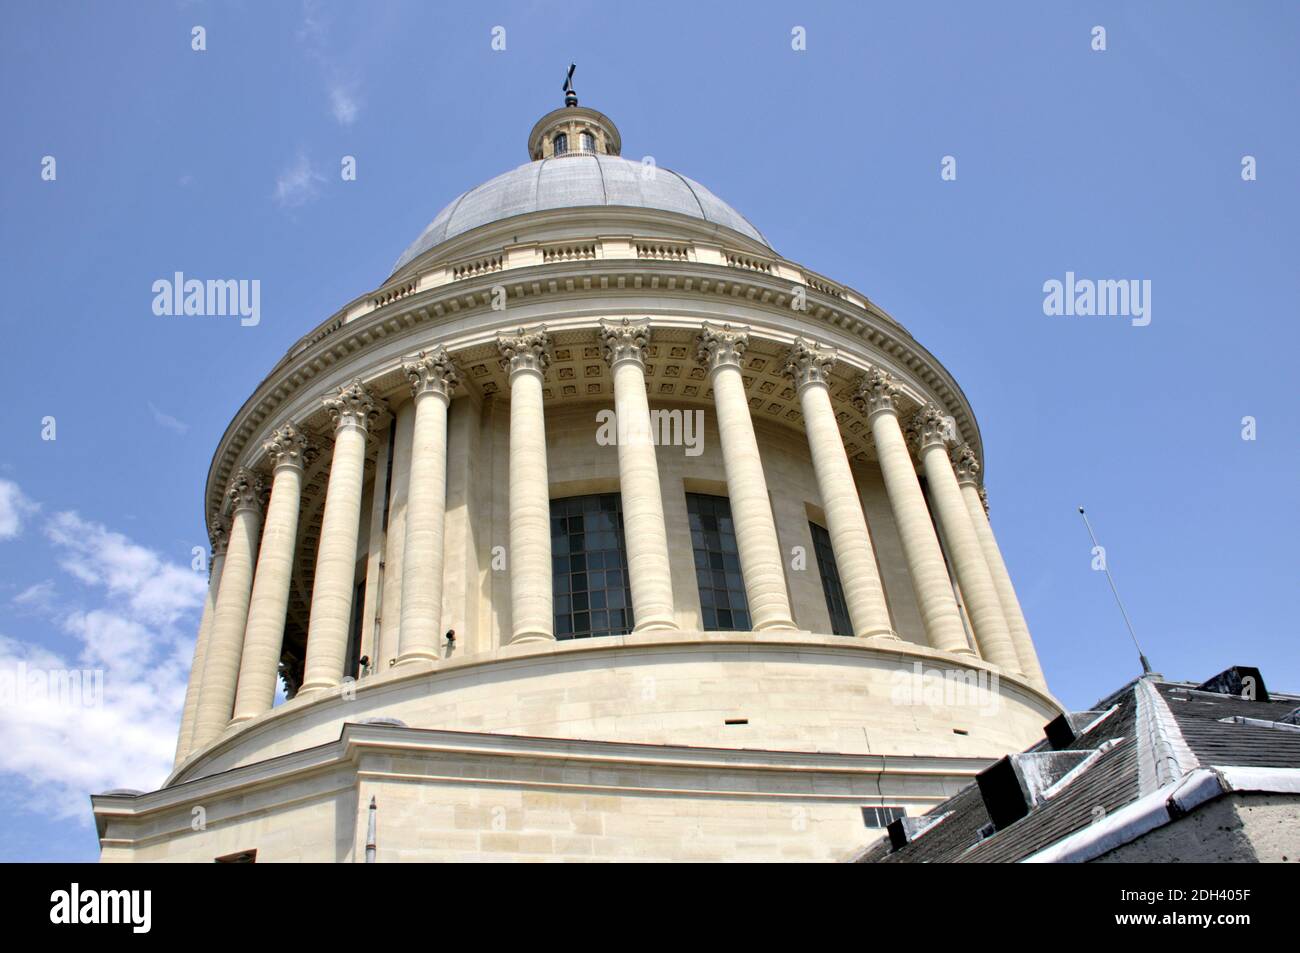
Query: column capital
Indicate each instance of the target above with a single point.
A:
(721, 346)
(966, 465)
(931, 427)
(809, 362)
(246, 491)
(523, 350)
(219, 537)
(352, 406)
(624, 340)
(877, 392)
(288, 447)
(432, 372)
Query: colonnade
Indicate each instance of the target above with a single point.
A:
(241, 633)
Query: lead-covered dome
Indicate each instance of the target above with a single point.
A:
(577, 181)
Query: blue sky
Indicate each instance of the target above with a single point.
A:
(225, 163)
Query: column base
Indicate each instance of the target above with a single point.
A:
(416, 660)
(888, 635)
(315, 688)
(537, 636)
(776, 624)
(655, 625)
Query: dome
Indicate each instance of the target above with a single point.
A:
(577, 181)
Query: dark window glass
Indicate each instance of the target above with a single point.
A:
(881, 816)
(839, 610)
(589, 567)
(561, 144)
(717, 563)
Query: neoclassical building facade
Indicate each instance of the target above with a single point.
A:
(599, 530)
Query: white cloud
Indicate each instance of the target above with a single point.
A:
(344, 103)
(155, 591)
(15, 507)
(130, 649)
(38, 596)
(314, 35)
(298, 184)
(168, 421)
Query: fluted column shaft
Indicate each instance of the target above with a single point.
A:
(226, 644)
(943, 626)
(215, 566)
(864, 594)
(751, 510)
(353, 409)
(982, 603)
(967, 468)
(644, 531)
(525, 356)
(433, 377)
(264, 635)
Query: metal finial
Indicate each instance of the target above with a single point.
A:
(570, 94)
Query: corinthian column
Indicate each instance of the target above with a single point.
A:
(525, 356)
(649, 572)
(218, 537)
(877, 397)
(932, 431)
(264, 635)
(226, 644)
(433, 377)
(967, 468)
(353, 409)
(808, 365)
(720, 349)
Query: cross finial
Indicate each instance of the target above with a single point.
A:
(570, 94)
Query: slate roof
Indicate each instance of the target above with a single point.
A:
(1110, 781)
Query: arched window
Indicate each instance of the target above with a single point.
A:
(561, 144)
(587, 142)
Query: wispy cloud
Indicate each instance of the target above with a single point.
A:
(298, 184)
(343, 91)
(15, 507)
(168, 421)
(130, 623)
(344, 103)
(36, 597)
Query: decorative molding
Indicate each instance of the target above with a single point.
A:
(877, 392)
(984, 498)
(246, 491)
(721, 346)
(624, 340)
(288, 447)
(523, 350)
(809, 362)
(432, 372)
(219, 538)
(966, 464)
(352, 406)
(931, 427)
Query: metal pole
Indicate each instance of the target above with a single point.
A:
(370, 833)
(1146, 666)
